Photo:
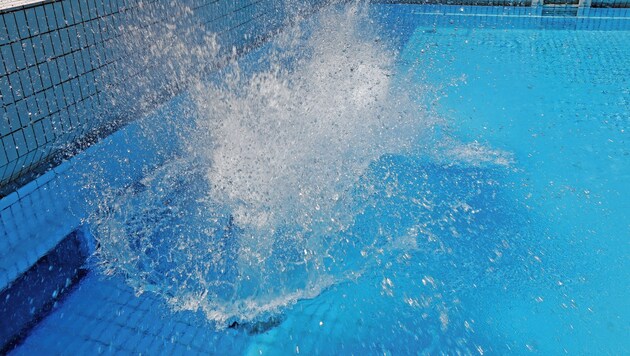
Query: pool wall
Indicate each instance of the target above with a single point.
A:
(68, 65)
(72, 76)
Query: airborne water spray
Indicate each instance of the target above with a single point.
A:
(258, 213)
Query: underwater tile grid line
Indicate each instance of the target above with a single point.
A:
(538, 257)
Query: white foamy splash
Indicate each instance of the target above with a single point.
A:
(288, 145)
(256, 217)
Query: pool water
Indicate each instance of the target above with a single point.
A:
(508, 234)
(558, 100)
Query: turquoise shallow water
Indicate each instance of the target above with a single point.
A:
(468, 255)
(558, 100)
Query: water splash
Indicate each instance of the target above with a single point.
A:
(261, 211)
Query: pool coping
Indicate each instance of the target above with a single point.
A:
(10, 5)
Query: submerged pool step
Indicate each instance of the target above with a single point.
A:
(35, 293)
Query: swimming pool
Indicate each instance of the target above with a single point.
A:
(485, 214)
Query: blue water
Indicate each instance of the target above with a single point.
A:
(515, 242)
(558, 100)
